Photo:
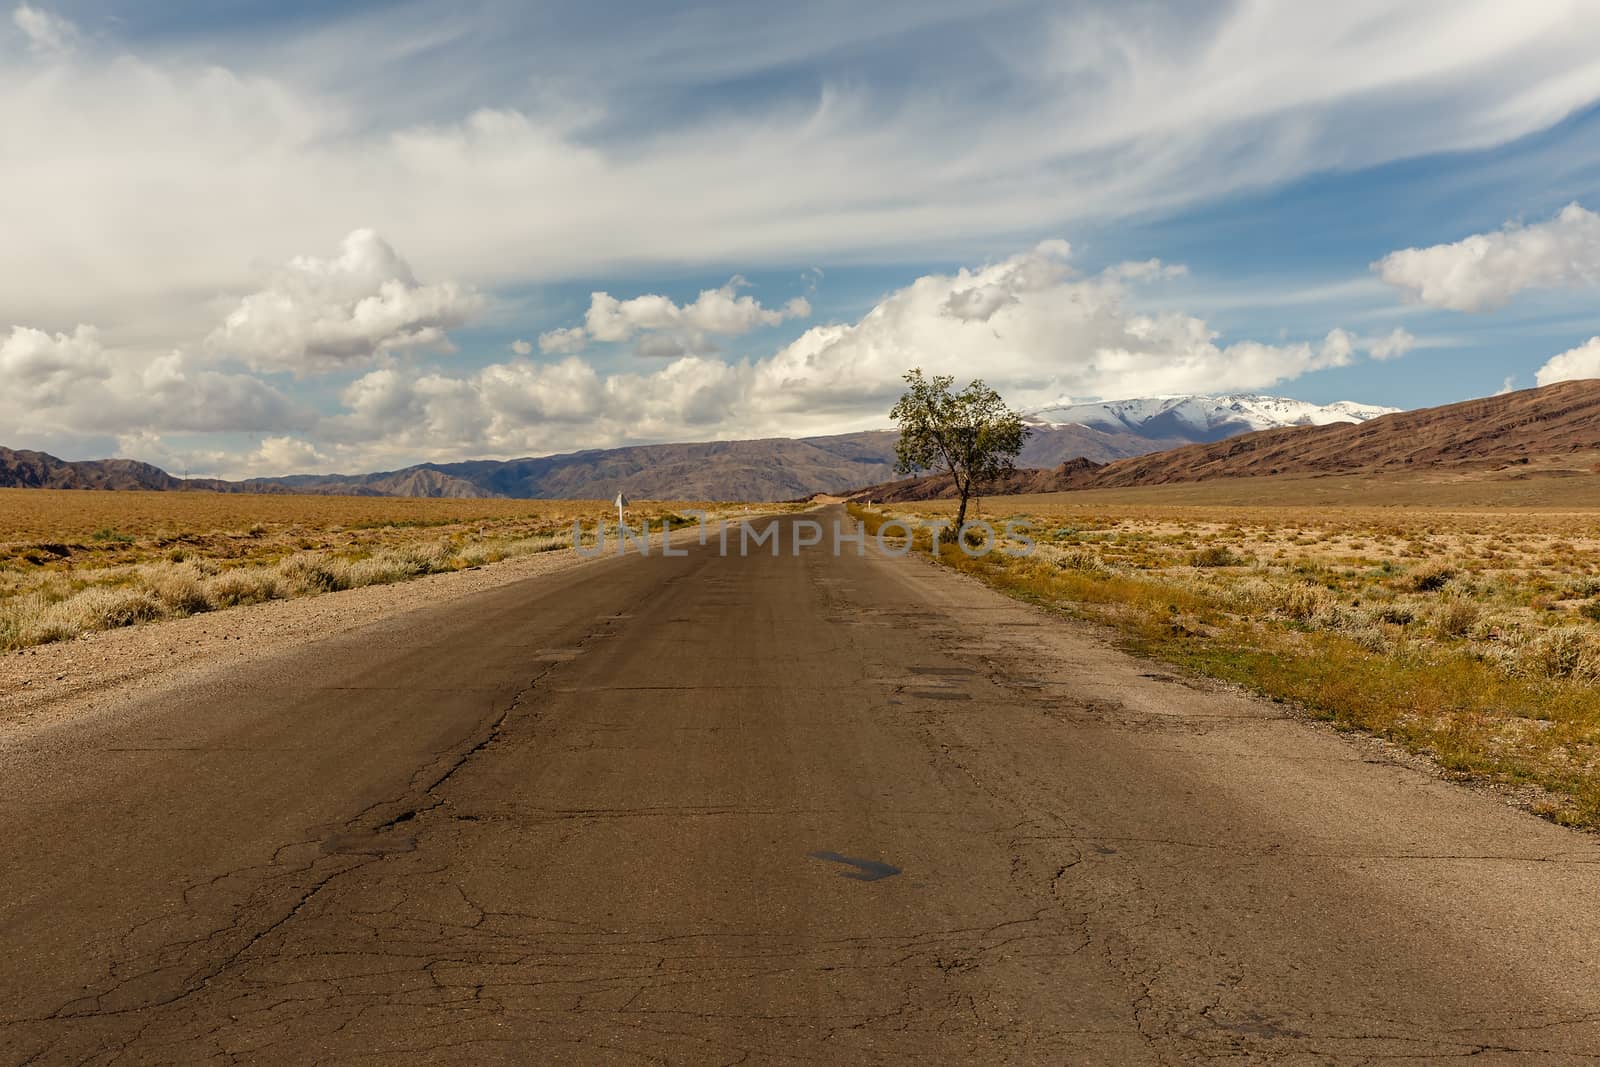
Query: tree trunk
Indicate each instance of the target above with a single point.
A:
(961, 512)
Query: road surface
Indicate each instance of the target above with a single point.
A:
(755, 810)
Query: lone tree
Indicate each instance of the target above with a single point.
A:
(971, 435)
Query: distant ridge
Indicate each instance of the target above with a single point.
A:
(1552, 421)
(1548, 427)
(765, 469)
(772, 469)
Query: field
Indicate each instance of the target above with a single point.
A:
(1470, 634)
(77, 561)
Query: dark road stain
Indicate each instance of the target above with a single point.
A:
(370, 844)
(943, 670)
(938, 694)
(866, 870)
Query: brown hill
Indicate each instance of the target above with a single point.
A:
(1516, 428)
(1068, 475)
(1548, 429)
(40, 470)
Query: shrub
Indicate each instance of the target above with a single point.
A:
(1302, 602)
(179, 588)
(1397, 614)
(244, 585)
(1565, 652)
(307, 572)
(1455, 617)
(35, 619)
(1430, 577)
(531, 545)
(1215, 556)
(1082, 560)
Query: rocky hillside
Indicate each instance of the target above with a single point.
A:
(1555, 428)
(1534, 424)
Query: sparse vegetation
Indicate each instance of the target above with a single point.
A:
(1470, 635)
(76, 562)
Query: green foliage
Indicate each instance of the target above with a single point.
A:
(972, 435)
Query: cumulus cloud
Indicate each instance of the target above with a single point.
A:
(564, 341)
(281, 454)
(521, 347)
(43, 369)
(667, 328)
(320, 315)
(45, 30)
(1485, 270)
(1397, 343)
(1580, 362)
(1028, 324)
(1048, 333)
(71, 383)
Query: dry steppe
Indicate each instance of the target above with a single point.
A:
(74, 562)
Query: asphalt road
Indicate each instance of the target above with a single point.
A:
(803, 809)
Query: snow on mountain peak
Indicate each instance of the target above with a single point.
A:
(1203, 418)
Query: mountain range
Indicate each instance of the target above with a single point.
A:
(767, 469)
(1552, 430)
(1196, 419)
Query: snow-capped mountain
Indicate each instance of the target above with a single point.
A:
(1202, 418)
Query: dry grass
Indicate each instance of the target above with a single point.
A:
(74, 562)
(1468, 634)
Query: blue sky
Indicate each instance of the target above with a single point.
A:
(250, 238)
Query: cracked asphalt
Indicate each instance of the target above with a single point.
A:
(758, 810)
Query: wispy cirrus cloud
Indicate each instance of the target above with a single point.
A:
(908, 130)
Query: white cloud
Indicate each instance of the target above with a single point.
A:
(564, 341)
(1060, 115)
(283, 454)
(1397, 343)
(1050, 333)
(327, 314)
(42, 369)
(664, 328)
(521, 347)
(46, 31)
(1580, 362)
(1147, 270)
(1486, 270)
(1507, 386)
(72, 384)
